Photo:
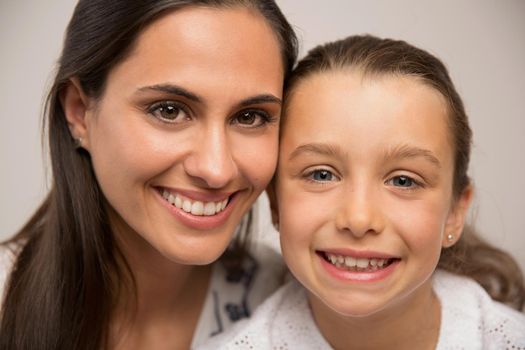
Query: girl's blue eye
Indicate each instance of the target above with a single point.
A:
(169, 112)
(321, 175)
(403, 181)
(251, 118)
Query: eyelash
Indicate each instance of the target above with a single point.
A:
(309, 176)
(159, 107)
(265, 118)
(415, 184)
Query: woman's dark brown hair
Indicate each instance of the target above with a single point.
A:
(68, 270)
(494, 269)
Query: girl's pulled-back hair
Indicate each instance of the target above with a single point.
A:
(494, 269)
(68, 270)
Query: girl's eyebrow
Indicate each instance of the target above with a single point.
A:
(325, 149)
(401, 151)
(173, 89)
(408, 151)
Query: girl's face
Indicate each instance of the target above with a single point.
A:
(185, 135)
(364, 189)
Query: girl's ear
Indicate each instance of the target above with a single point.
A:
(274, 209)
(76, 106)
(457, 217)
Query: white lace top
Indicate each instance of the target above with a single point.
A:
(470, 319)
(230, 298)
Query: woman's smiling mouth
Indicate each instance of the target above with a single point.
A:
(195, 207)
(197, 210)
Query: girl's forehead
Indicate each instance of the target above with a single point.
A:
(366, 112)
(348, 96)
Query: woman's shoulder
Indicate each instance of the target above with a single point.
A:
(283, 321)
(469, 316)
(8, 253)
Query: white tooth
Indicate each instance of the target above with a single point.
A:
(350, 262)
(380, 262)
(209, 208)
(178, 202)
(373, 262)
(165, 194)
(186, 206)
(197, 208)
(333, 259)
(340, 259)
(218, 207)
(171, 198)
(224, 203)
(362, 263)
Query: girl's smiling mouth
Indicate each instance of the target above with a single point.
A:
(369, 267)
(357, 264)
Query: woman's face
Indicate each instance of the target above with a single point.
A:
(185, 135)
(364, 188)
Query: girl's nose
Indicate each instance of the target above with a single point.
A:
(211, 161)
(360, 212)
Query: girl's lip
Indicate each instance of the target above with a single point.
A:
(369, 254)
(345, 275)
(199, 222)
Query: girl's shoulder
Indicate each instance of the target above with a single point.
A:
(471, 319)
(283, 321)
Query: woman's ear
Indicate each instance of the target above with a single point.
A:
(76, 106)
(274, 209)
(457, 217)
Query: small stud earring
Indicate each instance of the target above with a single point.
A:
(450, 237)
(78, 142)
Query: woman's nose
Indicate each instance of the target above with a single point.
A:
(211, 160)
(360, 212)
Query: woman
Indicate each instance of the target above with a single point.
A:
(163, 130)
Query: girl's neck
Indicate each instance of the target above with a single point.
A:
(165, 308)
(412, 324)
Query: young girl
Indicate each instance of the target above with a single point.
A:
(372, 193)
(163, 130)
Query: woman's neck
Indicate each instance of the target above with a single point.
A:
(412, 324)
(165, 308)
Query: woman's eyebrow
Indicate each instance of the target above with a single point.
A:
(180, 91)
(325, 149)
(260, 99)
(408, 151)
(173, 90)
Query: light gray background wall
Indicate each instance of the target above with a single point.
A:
(481, 41)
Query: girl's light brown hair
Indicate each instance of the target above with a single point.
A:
(471, 256)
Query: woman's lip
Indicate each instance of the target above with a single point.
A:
(368, 254)
(345, 275)
(197, 195)
(196, 221)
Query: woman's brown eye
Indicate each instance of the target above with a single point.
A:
(168, 112)
(247, 118)
(252, 118)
